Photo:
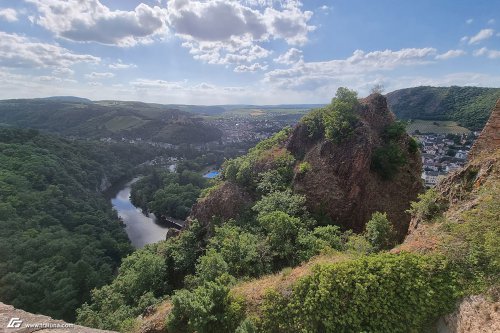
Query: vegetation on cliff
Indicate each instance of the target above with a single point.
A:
(60, 238)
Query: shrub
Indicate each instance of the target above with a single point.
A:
(412, 146)
(304, 167)
(379, 231)
(387, 160)
(207, 309)
(427, 207)
(340, 116)
(380, 293)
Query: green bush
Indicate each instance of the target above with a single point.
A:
(340, 116)
(207, 309)
(304, 167)
(379, 293)
(379, 231)
(387, 160)
(427, 207)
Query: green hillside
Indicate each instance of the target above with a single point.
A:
(107, 119)
(470, 107)
(60, 237)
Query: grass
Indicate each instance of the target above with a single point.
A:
(437, 127)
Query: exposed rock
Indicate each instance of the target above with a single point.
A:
(227, 201)
(20, 320)
(341, 184)
(475, 314)
(489, 140)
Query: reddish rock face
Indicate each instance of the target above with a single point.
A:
(489, 140)
(341, 185)
(226, 202)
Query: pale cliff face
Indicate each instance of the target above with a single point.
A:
(15, 320)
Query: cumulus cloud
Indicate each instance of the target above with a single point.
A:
(481, 35)
(492, 54)
(91, 21)
(451, 54)
(310, 75)
(23, 52)
(99, 76)
(230, 32)
(290, 57)
(252, 68)
(8, 14)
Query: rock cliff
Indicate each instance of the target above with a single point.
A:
(340, 186)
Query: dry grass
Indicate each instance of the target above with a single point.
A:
(254, 291)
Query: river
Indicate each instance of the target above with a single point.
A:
(141, 229)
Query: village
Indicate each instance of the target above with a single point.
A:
(442, 154)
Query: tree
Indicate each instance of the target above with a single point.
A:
(379, 231)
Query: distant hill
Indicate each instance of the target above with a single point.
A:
(73, 116)
(468, 106)
(73, 99)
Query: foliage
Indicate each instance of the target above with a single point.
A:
(387, 160)
(469, 106)
(242, 169)
(379, 231)
(320, 239)
(427, 206)
(304, 167)
(284, 201)
(412, 146)
(143, 279)
(340, 117)
(207, 309)
(381, 293)
(246, 253)
(108, 120)
(282, 234)
(168, 194)
(140, 282)
(60, 237)
(395, 131)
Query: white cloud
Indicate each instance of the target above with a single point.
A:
(451, 54)
(23, 52)
(91, 21)
(230, 32)
(469, 21)
(120, 65)
(8, 14)
(252, 68)
(157, 84)
(481, 35)
(63, 71)
(311, 75)
(99, 76)
(491, 21)
(290, 57)
(492, 54)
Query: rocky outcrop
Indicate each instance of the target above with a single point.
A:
(474, 314)
(19, 321)
(341, 184)
(489, 140)
(227, 201)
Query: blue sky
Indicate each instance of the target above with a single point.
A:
(243, 51)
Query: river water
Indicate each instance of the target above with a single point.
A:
(141, 229)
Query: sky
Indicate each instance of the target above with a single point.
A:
(243, 51)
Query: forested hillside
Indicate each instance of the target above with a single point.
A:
(114, 119)
(469, 106)
(60, 238)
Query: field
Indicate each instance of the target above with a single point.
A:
(438, 127)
